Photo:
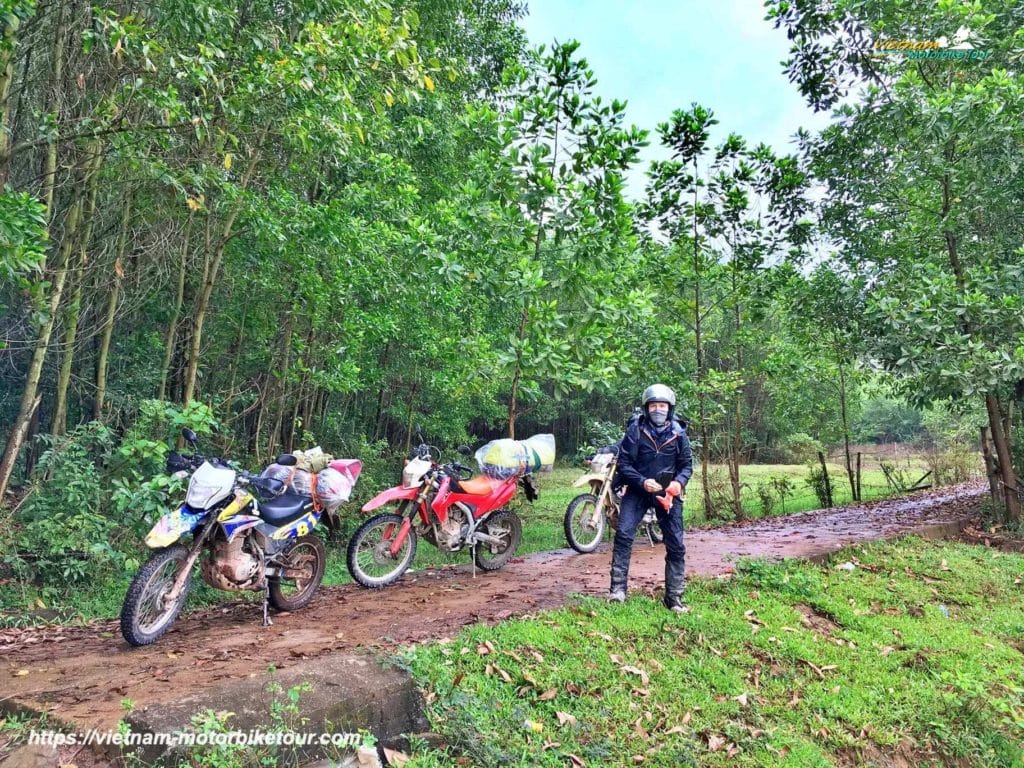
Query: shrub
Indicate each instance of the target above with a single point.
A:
(800, 448)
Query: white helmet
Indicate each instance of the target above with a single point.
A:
(659, 393)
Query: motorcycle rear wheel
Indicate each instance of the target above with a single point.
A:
(369, 558)
(145, 617)
(579, 532)
(507, 526)
(305, 553)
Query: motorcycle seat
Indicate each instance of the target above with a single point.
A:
(481, 485)
(285, 508)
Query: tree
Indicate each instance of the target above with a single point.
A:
(924, 188)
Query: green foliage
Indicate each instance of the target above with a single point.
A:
(64, 527)
(887, 420)
(22, 235)
(799, 448)
(820, 483)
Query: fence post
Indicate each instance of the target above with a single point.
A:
(828, 483)
(860, 497)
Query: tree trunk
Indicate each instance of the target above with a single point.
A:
(854, 491)
(60, 411)
(179, 300)
(1008, 476)
(517, 375)
(30, 392)
(705, 447)
(991, 471)
(55, 106)
(284, 356)
(7, 46)
(737, 427)
(108, 320)
(213, 263)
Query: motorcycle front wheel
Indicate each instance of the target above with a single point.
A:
(582, 530)
(147, 614)
(369, 552)
(305, 559)
(507, 527)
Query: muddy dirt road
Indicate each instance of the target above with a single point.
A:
(80, 674)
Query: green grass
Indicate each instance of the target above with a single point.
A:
(785, 665)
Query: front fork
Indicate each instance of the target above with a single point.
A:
(405, 527)
(193, 553)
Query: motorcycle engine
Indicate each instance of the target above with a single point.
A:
(451, 535)
(231, 568)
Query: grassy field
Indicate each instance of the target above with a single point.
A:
(915, 655)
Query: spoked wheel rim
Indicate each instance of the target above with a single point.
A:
(370, 560)
(301, 557)
(587, 525)
(154, 608)
(506, 527)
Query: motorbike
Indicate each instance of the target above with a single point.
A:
(446, 505)
(256, 533)
(589, 514)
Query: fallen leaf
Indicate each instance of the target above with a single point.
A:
(715, 743)
(644, 678)
(576, 761)
(945, 566)
(675, 729)
(637, 759)
(742, 699)
(550, 745)
(532, 725)
(485, 648)
(732, 750)
(616, 659)
(396, 758)
(548, 695)
(565, 717)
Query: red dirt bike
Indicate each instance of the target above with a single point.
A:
(445, 505)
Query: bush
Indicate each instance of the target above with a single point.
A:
(62, 533)
(952, 466)
(817, 481)
(800, 448)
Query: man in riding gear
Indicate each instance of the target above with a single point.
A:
(654, 458)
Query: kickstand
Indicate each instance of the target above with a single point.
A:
(472, 556)
(650, 536)
(266, 602)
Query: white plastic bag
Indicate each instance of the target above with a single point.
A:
(507, 458)
(334, 485)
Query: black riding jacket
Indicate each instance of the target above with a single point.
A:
(656, 451)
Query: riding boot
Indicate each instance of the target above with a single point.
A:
(675, 582)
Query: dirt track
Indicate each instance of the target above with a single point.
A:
(81, 674)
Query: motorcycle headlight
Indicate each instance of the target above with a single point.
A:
(410, 477)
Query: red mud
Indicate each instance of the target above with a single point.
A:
(80, 674)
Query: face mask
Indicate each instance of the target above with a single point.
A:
(658, 418)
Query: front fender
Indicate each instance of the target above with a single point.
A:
(391, 494)
(589, 479)
(173, 526)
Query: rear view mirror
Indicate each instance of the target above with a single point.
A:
(464, 450)
(190, 436)
(286, 460)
